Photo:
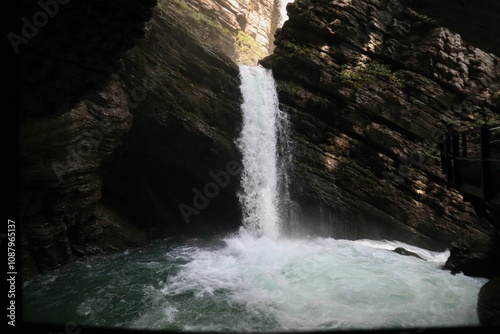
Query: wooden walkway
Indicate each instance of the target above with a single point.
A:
(471, 162)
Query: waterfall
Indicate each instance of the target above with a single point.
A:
(287, 208)
(264, 179)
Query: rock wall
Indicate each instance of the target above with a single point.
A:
(107, 159)
(185, 98)
(60, 182)
(73, 115)
(370, 87)
(242, 29)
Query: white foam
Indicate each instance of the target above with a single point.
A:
(327, 283)
(439, 257)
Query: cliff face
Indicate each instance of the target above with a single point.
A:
(370, 87)
(73, 116)
(108, 160)
(185, 100)
(242, 29)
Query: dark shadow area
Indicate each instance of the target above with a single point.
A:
(477, 21)
(75, 329)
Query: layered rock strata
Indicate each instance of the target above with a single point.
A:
(242, 29)
(370, 88)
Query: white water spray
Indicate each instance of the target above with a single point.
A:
(258, 144)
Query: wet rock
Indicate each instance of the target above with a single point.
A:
(488, 303)
(105, 231)
(402, 251)
(476, 255)
(60, 185)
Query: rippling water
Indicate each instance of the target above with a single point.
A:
(257, 284)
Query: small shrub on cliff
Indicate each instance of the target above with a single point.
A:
(349, 73)
(365, 72)
(294, 49)
(377, 69)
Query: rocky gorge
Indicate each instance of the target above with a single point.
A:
(123, 118)
(369, 94)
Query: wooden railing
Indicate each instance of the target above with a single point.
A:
(471, 161)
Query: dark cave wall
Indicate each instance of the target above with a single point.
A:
(112, 140)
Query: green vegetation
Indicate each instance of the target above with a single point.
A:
(248, 49)
(366, 71)
(320, 101)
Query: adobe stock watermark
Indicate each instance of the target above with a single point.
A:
(201, 199)
(40, 19)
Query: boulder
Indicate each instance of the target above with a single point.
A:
(402, 251)
(488, 303)
(476, 255)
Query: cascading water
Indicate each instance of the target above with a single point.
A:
(266, 151)
(258, 146)
(258, 280)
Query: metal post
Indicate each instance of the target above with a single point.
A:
(448, 159)
(464, 145)
(457, 179)
(486, 164)
(442, 155)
